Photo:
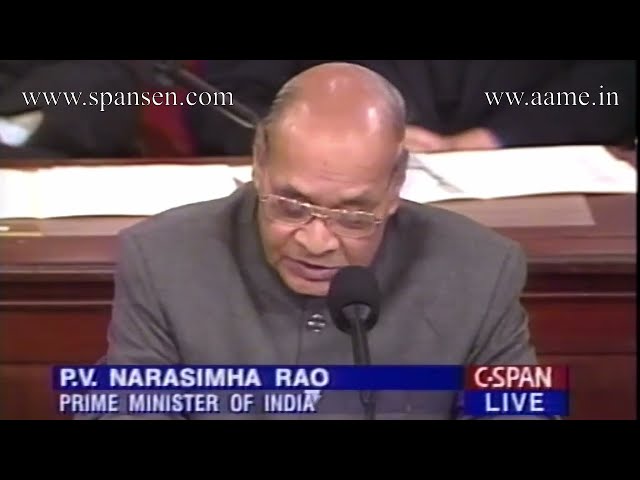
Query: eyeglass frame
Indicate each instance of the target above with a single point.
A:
(325, 214)
(263, 197)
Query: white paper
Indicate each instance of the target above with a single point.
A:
(150, 189)
(110, 190)
(519, 172)
(242, 173)
(17, 199)
(421, 187)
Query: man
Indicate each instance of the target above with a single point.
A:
(64, 129)
(451, 104)
(243, 280)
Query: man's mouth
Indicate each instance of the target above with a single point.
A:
(311, 271)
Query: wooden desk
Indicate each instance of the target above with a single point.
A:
(56, 289)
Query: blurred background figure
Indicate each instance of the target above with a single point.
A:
(454, 104)
(65, 130)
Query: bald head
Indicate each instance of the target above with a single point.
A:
(338, 100)
(333, 139)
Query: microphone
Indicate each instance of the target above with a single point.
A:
(354, 305)
(170, 71)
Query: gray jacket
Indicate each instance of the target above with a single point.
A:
(192, 287)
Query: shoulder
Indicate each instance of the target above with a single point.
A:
(463, 273)
(452, 249)
(183, 228)
(446, 230)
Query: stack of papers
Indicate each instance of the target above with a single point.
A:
(150, 189)
(135, 190)
(516, 172)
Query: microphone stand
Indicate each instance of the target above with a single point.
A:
(362, 357)
(236, 111)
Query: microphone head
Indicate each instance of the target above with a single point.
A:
(353, 287)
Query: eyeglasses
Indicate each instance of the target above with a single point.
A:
(345, 223)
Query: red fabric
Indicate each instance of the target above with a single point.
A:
(165, 131)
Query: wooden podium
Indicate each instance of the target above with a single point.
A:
(56, 289)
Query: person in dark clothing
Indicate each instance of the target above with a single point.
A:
(455, 104)
(66, 130)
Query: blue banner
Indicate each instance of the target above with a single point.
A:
(224, 377)
(527, 403)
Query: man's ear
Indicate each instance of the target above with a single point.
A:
(254, 176)
(259, 155)
(399, 178)
(394, 192)
(393, 206)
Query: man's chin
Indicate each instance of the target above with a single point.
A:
(307, 287)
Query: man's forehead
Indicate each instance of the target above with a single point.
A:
(346, 154)
(355, 167)
(342, 131)
(327, 190)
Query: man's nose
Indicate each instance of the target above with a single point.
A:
(317, 238)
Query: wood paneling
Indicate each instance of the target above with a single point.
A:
(603, 387)
(583, 324)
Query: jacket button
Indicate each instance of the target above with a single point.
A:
(316, 323)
